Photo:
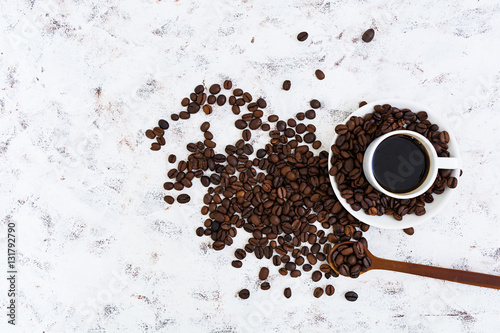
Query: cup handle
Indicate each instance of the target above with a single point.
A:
(448, 163)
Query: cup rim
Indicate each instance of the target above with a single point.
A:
(431, 174)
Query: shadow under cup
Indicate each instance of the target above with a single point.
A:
(403, 164)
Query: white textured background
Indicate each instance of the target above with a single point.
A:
(99, 251)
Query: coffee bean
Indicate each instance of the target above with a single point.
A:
(409, 231)
(214, 89)
(237, 92)
(351, 296)
(264, 273)
(452, 182)
(261, 103)
(302, 36)
(199, 89)
(247, 135)
(205, 126)
(287, 85)
(316, 276)
(315, 104)
(310, 114)
(287, 292)
(265, 286)
(329, 290)
(158, 131)
(240, 124)
(309, 137)
(185, 101)
(183, 198)
(236, 264)
(295, 273)
(244, 293)
(174, 117)
(255, 124)
(228, 84)
(211, 99)
(150, 134)
(318, 292)
(319, 74)
(155, 146)
(362, 103)
(169, 199)
(168, 186)
(273, 118)
(163, 124)
(240, 254)
(368, 35)
(193, 107)
(172, 158)
(221, 100)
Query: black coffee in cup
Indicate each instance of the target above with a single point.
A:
(400, 164)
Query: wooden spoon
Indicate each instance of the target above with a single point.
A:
(455, 275)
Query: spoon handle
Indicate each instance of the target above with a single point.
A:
(455, 275)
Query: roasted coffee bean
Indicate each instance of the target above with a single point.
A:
(247, 135)
(351, 296)
(199, 89)
(273, 118)
(193, 107)
(310, 114)
(240, 124)
(237, 92)
(362, 103)
(174, 117)
(309, 138)
(205, 126)
(287, 292)
(265, 286)
(315, 104)
(287, 85)
(302, 36)
(261, 103)
(211, 99)
(244, 293)
(155, 146)
(214, 89)
(183, 198)
(169, 199)
(319, 74)
(161, 140)
(228, 84)
(168, 186)
(318, 292)
(207, 109)
(150, 134)
(247, 97)
(221, 100)
(295, 273)
(264, 273)
(185, 101)
(240, 254)
(236, 264)
(316, 276)
(163, 124)
(409, 231)
(158, 131)
(368, 35)
(452, 182)
(329, 290)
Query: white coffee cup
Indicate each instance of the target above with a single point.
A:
(435, 163)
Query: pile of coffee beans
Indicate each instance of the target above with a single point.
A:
(347, 160)
(350, 259)
(279, 194)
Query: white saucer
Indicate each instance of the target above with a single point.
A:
(440, 200)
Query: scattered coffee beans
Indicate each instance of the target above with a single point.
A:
(280, 194)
